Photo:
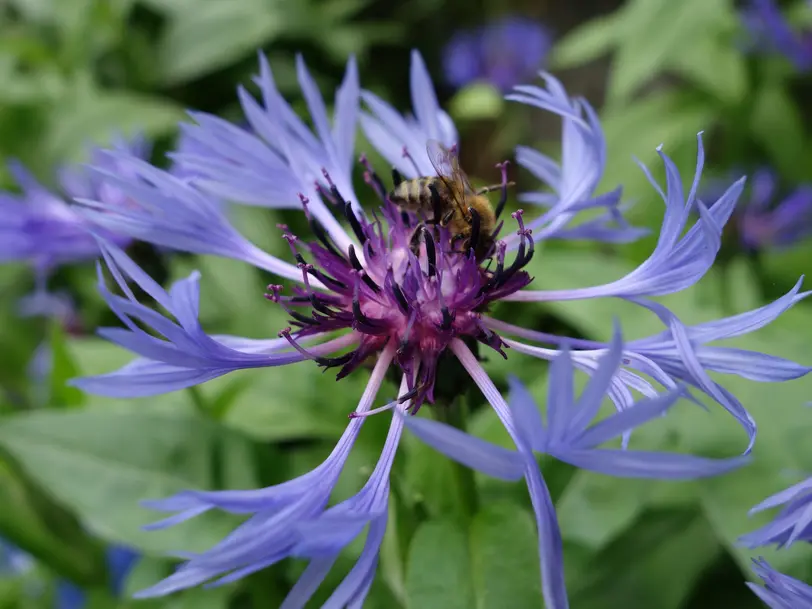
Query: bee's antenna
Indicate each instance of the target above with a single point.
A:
(475, 224)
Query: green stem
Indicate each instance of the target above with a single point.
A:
(455, 415)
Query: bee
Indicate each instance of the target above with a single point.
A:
(449, 200)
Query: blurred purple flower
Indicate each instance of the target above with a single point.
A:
(780, 591)
(770, 32)
(503, 53)
(793, 523)
(391, 290)
(765, 220)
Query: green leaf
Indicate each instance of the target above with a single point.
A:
(89, 115)
(715, 65)
(215, 33)
(587, 42)
(777, 125)
(654, 33)
(635, 130)
(438, 572)
(291, 402)
(102, 462)
(504, 556)
(655, 564)
(63, 368)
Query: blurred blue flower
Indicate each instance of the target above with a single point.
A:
(770, 32)
(13, 561)
(503, 53)
(780, 591)
(41, 227)
(766, 220)
(566, 435)
(120, 560)
(388, 289)
(793, 523)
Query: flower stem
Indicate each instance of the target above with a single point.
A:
(455, 414)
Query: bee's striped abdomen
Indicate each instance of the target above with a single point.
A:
(412, 195)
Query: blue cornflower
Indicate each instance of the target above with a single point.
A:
(793, 523)
(771, 32)
(387, 291)
(780, 591)
(503, 53)
(567, 436)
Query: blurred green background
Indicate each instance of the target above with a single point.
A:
(73, 467)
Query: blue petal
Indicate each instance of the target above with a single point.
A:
(142, 378)
(528, 417)
(559, 397)
(550, 545)
(589, 402)
(644, 464)
(466, 449)
(308, 582)
(780, 591)
(621, 422)
(353, 590)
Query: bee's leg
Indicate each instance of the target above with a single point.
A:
(503, 186)
(396, 177)
(417, 235)
(436, 204)
(447, 217)
(423, 233)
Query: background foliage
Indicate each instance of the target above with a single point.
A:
(74, 467)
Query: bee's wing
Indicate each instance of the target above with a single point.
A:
(447, 165)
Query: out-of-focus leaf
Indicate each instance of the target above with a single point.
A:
(653, 33)
(595, 508)
(292, 402)
(88, 115)
(777, 125)
(31, 86)
(63, 368)
(102, 462)
(716, 65)
(504, 558)
(438, 573)
(476, 102)
(214, 33)
(636, 129)
(587, 42)
(671, 549)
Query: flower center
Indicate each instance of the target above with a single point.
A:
(408, 282)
